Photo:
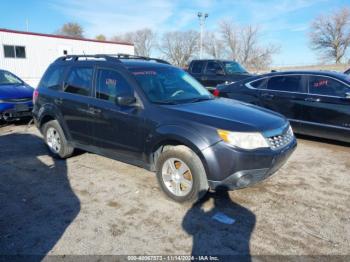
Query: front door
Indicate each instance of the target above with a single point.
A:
(214, 74)
(285, 94)
(118, 129)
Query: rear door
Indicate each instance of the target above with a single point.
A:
(285, 94)
(118, 129)
(74, 103)
(327, 104)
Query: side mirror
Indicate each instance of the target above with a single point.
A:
(125, 100)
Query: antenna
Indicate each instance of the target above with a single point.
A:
(85, 55)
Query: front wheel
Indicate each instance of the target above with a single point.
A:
(181, 174)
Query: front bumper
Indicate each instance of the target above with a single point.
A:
(15, 111)
(230, 168)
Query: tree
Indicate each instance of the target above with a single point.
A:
(179, 46)
(100, 37)
(72, 29)
(213, 46)
(143, 40)
(242, 45)
(330, 35)
(229, 37)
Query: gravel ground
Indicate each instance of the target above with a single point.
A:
(89, 204)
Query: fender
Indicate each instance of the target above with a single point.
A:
(184, 135)
(52, 111)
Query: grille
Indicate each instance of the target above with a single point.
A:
(17, 100)
(279, 141)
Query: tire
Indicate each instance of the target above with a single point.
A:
(61, 149)
(182, 157)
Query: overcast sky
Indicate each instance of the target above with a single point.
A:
(282, 22)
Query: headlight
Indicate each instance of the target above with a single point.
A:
(245, 140)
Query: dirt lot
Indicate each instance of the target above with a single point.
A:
(89, 204)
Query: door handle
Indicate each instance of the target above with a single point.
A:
(311, 99)
(267, 95)
(58, 101)
(94, 110)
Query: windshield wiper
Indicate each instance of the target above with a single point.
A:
(198, 99)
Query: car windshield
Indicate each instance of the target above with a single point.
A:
(234, 68)
(170, 86)
(6, 78)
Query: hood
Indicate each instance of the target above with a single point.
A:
(16, 91)
(230, 115)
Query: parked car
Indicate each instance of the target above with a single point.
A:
(15, 97)
(317, 103)
(347, 72)
(156, 116)
(211, 72)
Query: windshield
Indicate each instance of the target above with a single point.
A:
(170, 86)
(6, 78)
(234, 68)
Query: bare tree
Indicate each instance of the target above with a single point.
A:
(214, 46)
(229, 35)
(330, 35)
(242, 44)
(143, 40)
(178, 47)
(100, 37)
(72, 29)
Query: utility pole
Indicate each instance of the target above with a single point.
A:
(201, 18)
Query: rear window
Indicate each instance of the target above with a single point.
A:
(79, 81)
(259, 84)
(285, 83)
(197, 67)
(52, 78)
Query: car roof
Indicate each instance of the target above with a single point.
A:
(129, 63)
(216, 60)
(334, 74)
(137, 63)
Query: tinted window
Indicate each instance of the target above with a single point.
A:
(79, 81)
(20, 51)
(285, 83)
(327, 86)
(260, 84)
(9, 51)
(197, 67)
(52, 78)
(212, 67)
(110, 84)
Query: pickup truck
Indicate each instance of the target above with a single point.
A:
(212, 72)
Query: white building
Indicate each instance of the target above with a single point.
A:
(27, 55)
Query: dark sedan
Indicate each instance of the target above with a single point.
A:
(317, 103)
(15, 97)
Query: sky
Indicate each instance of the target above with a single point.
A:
(284, 23)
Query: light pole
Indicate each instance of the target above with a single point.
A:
(201, 18)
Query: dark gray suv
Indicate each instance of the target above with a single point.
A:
(151, 114)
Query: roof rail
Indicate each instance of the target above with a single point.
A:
(127, 56)
(76, 58)
(110, 57)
